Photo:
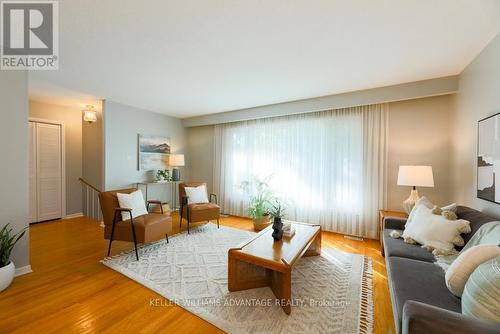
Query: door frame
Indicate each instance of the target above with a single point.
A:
(63, 158)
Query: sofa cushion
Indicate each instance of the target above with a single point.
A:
(148, 228)
(205, 211)
(476, 219)
(419, 281)
(397, 247)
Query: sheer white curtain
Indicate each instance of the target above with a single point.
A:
(329, 166)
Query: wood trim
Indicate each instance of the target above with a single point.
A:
(88, 184)
(23, 271)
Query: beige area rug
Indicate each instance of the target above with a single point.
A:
(332, 293)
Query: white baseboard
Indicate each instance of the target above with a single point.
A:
(23, 270)
(74, 215)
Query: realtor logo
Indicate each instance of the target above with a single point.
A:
(29, 35)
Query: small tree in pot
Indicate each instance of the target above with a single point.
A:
(7, 243)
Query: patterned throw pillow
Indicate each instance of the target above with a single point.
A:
(459, 271)
(481, 297)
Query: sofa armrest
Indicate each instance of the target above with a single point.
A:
(420, 318)
(394, 223)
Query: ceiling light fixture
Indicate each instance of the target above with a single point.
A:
(89, 114)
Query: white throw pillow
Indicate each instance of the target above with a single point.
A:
(133, 201)
(196, 194)
(459, 271)
(425, 202)
(435, 232)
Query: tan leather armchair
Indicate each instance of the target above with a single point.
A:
(197, 212)
(142, 229)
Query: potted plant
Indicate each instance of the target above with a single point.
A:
(7, 243)
(260, 196)
(277, 212)
(163, 175)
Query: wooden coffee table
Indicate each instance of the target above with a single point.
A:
(261, 261)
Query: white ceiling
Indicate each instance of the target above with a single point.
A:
(187, 57)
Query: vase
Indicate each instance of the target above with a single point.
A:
(6, 275)
(277, 229)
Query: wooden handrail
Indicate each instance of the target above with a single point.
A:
(88, 184)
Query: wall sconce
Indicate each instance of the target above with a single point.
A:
(89, 114)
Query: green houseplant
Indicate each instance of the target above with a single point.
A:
(7, 242)
(163, 175)
(260, 196)
(277, 211)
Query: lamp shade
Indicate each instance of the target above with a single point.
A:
(414, 176)
(176, 160)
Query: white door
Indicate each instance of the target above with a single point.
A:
(33, 217)
(49, 171)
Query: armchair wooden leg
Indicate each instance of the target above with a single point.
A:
(135, 239)
(110, 241)
(217, 222)
(166, 236)
(112, 234)
(188, 226)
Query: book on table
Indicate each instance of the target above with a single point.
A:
(288, 229)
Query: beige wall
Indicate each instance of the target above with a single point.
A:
(478, 97)
(14, 164)
(419, 135)
(72, 119)
(200, 145)
(93, 151)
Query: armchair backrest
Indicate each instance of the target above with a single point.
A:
(109, 202)
(182, 188)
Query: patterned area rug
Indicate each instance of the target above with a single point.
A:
(332, 293)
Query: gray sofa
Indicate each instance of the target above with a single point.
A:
(421, 302)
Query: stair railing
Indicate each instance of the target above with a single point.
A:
(90, 197)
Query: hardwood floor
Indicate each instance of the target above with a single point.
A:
(70, 291)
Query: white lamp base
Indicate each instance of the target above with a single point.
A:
(409, 203)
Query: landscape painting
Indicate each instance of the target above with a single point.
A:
(488, 159)
(153, 152)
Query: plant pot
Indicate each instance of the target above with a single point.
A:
(277, 224)
(261, 223)
(6, 275)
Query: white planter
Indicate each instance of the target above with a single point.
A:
(6, 275)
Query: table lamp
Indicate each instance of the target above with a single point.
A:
(414, 176)
(176, 160)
